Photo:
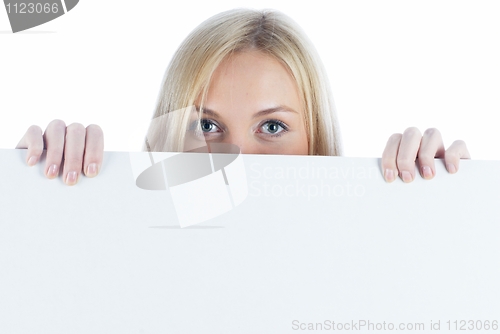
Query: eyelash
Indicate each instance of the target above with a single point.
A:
(194, 125)
(275, 121)
(279, 123)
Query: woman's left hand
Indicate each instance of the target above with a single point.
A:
(402, 150)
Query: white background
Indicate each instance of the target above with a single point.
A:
(392, 64)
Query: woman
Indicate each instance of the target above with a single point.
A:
(250, 78)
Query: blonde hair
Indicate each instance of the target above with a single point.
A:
(189, 73)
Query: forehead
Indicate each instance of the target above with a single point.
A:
(250, 81)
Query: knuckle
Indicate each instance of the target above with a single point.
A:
(57, 123)
(389, 156)
(459, 142)
(94, 130)
(55, 155)
(389, 164)
(55, 128)
(36, 150)
(425, 157)
(35, 129)
(452, 155)
(405, 161)
(412, 131)
(432, 132)
(34, 139)
(395, 137)
(76, 125)
(73, 161)
(76, 129)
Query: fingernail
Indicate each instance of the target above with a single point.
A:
(32, 161)
(71, 178)
(92, 170)
(389, 175)
(52, 172)
(406, 176)
(426, 172)
(451, 168)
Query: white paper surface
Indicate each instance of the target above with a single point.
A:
(318, 239)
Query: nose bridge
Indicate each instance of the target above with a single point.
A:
(245, 142)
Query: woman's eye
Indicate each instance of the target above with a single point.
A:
(205, 125)
(204, 128)
(274, 127)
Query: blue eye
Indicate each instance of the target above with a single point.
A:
(206, 126)
(274, 128)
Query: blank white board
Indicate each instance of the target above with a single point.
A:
(307, 249)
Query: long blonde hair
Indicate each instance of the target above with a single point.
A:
(189, 73)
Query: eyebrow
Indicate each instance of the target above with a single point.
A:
(261, 113)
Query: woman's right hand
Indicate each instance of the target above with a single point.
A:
(73, 147)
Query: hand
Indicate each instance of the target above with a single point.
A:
(402, 150)
(74, 143)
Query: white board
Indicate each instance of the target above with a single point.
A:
(107, 257)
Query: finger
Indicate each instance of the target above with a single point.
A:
(94, 150)
(407, 154)
(458, 150)
(54, 142)
(389, 166)
(73, 153)
(33, 141)
(431, 146)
